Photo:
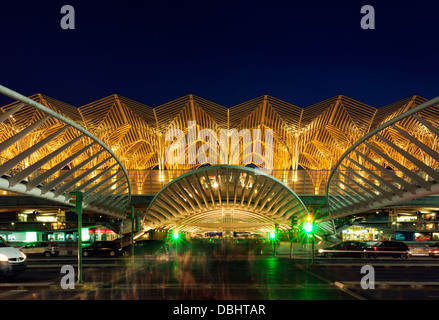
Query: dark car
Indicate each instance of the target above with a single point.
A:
(344, 249)
(395, 249)
(146, 247)
(102, 248)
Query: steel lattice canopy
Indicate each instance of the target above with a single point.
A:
(393, 163)
(224, 197)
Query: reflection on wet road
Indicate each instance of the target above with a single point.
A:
(197, 277)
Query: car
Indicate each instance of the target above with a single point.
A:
(433, 249)
(434, 253)
(102, 248)
(344, 249)
(146, 247)
(424, 250)
(12, 261)
(45, 248)
(396, 249)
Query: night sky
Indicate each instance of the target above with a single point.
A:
(224, 51)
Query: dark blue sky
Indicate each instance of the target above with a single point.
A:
(224, 51)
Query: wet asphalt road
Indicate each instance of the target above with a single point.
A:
(200, 277)
(184, 278)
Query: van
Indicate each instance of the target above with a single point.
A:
(12, 261)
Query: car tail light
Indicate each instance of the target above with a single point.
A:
(375, 248)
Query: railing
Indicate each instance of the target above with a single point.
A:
(151, 181)
(305, 182)
(414, 226)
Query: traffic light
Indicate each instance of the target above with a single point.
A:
(308, 225)
(130, 214)
(175, 235)
(72, 199)
(272, 235)
(293, 221)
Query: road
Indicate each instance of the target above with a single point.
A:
(201, 277)
(187, 277)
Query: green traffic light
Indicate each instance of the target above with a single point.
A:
(272, 235)
(175, 235)
(308, 227)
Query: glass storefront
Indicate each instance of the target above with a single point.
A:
(103, 235)
(88, 235)
(427, 236)
(358, 233)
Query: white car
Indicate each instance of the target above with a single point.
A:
(12, 261)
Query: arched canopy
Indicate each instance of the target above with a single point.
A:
(224, 198)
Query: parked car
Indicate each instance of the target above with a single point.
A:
(146, 247)
(424, 250)
(12, 261)
(396, 249)
(46, 248)
(102, 248)
(344, 249)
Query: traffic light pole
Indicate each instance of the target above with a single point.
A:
(78, 209)
(293, 224)
(308, 227)
(291, 244)
(132, 231)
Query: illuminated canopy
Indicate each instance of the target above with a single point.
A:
(224, 197)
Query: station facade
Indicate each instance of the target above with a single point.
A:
(306, 142)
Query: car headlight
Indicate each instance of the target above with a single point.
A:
(3, 258)
(321, 250)
(23, 255)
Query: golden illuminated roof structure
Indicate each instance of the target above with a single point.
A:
(154, 147)
(312, 138)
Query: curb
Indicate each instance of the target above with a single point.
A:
(376, 264)
(359, 265)
(47, 286)
(390, 284)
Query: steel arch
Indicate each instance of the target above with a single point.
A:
(395, 162)
(224, 196)
(50, 156)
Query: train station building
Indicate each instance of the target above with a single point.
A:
(198, 167)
